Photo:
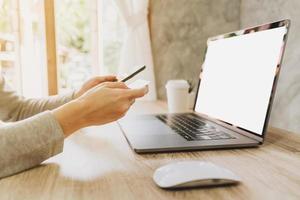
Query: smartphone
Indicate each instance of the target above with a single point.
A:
(133, 74)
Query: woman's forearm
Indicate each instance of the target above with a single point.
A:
(70, 117)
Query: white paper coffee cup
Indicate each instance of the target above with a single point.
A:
(177, 95)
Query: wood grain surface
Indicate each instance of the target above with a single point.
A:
(97, 163)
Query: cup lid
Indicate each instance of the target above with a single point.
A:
(182, 84)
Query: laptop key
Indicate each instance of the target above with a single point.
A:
(190, 127)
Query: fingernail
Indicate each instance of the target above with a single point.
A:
(146, 89)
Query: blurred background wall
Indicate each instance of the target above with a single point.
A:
(179, 29)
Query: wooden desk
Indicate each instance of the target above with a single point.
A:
(97, 163)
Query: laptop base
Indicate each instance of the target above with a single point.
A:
(147, 134)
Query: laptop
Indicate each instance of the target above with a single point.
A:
(234, 97)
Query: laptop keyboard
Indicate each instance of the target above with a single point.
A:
(190, 126)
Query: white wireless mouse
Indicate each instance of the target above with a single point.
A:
(193, 173)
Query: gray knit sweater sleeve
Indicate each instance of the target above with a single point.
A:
(14, 107)
(33, 135)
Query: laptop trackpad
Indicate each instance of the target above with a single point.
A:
(145, 125)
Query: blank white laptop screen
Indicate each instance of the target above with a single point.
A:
(237, 78)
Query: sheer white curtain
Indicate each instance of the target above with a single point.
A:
(136, 50)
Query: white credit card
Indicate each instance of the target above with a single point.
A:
(138, 84)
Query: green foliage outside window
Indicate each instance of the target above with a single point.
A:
(5, 17)
(73, 24)
(73, 30)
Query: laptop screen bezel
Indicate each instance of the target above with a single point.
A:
(283, 23)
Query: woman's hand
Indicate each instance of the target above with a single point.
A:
(92, 83)
(102, 104)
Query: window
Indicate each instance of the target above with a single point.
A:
(73, 30)
(32, 48)
(9, 42)
(113, 30)
(78, 23)
(88, 38)
(22, 45)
